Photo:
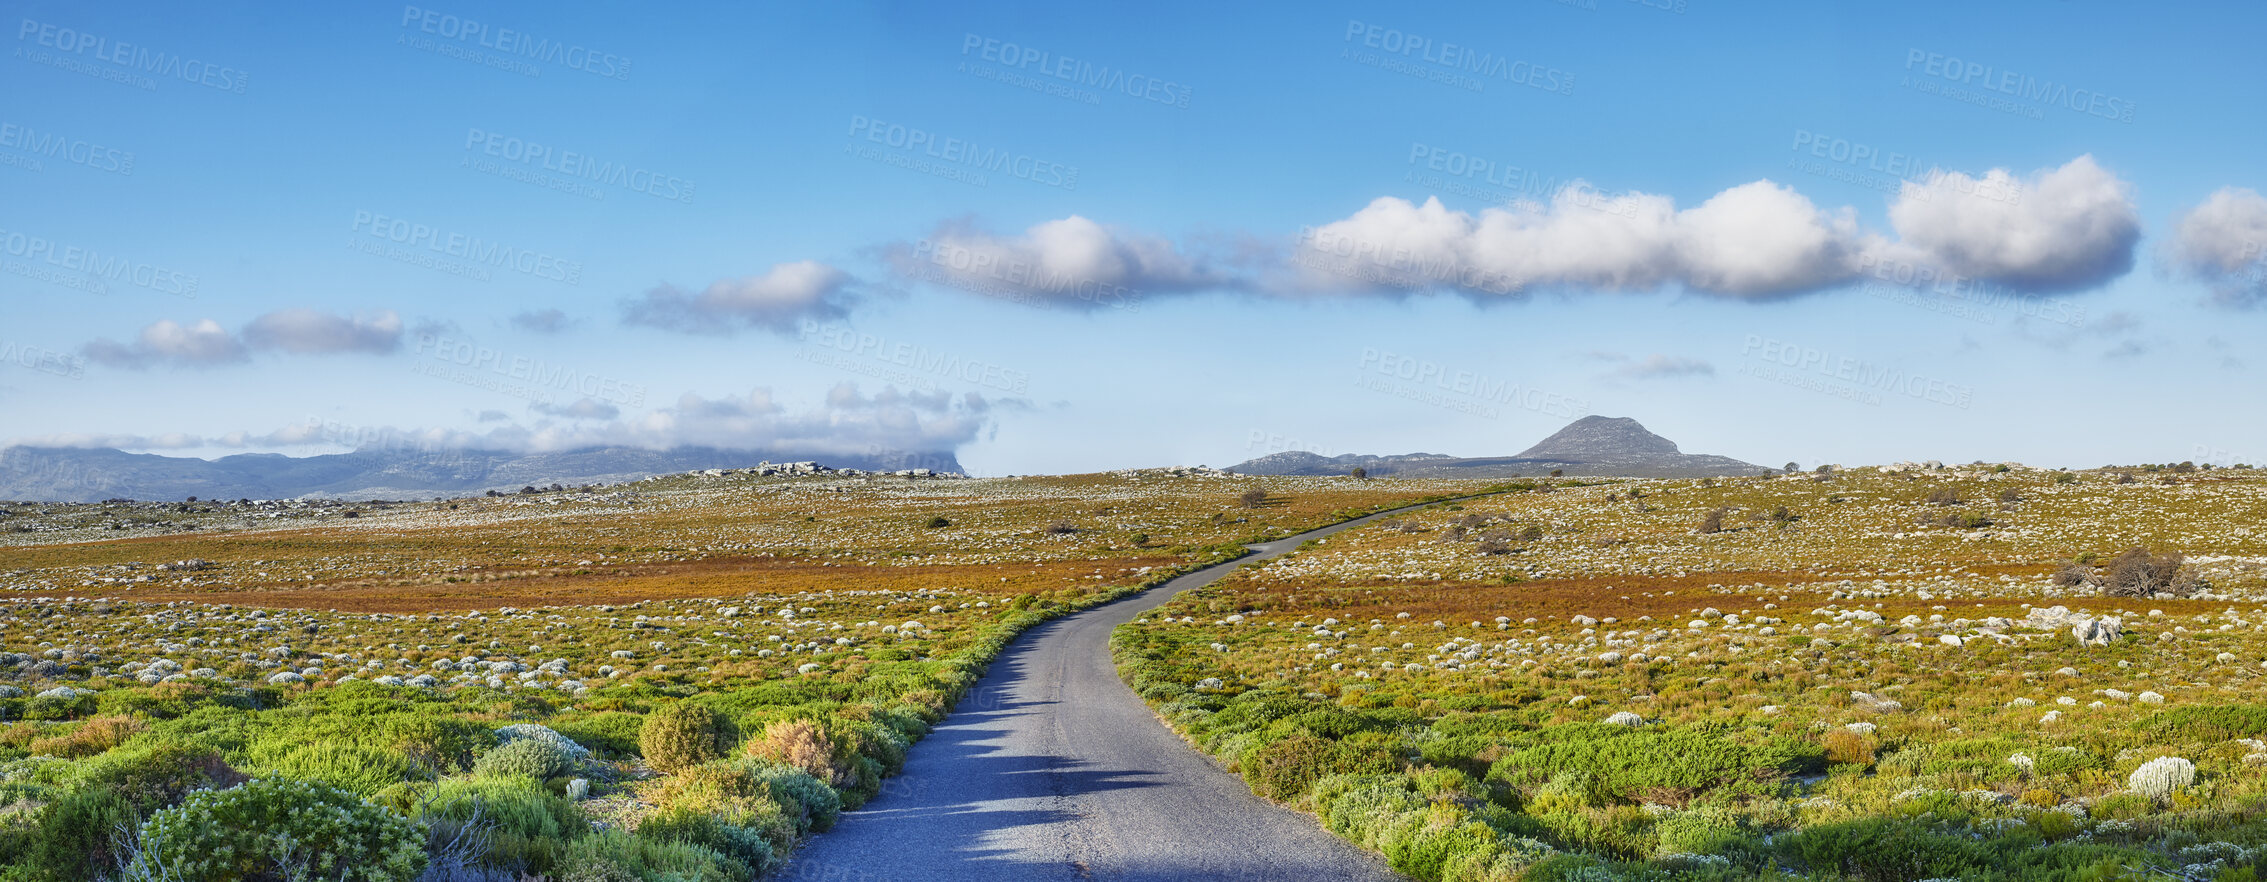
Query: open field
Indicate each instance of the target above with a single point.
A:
(720, 665)
(1859, 675)
(1852, 674)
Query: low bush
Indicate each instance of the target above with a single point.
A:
(683, 735)
(284, 829)
(612, 733)
(533, 758)
(615, 856)
(803, 744)
(76, 836)
(745, 846)
(356, 769)
(1887, 850)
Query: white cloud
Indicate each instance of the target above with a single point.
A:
(1756, 240)
(202, 344)
(2224, 241)
(1072, 261)
(776, 301)
(205, 343)
(307, 332)
(2063, 229)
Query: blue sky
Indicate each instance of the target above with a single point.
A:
(615, 225)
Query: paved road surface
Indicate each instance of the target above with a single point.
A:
(1051, 768)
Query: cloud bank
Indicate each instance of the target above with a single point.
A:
(206, 344)
(847, 422)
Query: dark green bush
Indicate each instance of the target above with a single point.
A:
(612, 733)
(157, 774)
(77, 835)
(1887, 850)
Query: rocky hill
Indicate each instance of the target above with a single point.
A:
(1592, 445)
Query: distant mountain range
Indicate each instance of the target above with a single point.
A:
(79, 475)
(1592, 445)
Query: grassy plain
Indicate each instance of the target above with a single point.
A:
(1859, 675)
(710, 668)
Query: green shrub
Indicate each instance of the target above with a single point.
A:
(159, 774)
(250, 832)
(525, 758)
(1664, 765)
(613, 733)
(683, 735)
(442, 743)
(1887, 850)
(1288, 767)
(2207, 723)
(528, 825)
(1284, 770)
(744, 845)
(614, 856)
(355, 769)
(819, 804)
(77, 835)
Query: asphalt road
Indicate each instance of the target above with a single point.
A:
(1051, 768)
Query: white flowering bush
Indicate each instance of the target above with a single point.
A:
(539, 732)
(2159, 778)
(525, 758)
(283, 829)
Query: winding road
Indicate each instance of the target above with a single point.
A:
(1051, 768)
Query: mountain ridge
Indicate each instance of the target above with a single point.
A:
(1593, 445)
(64, 474)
